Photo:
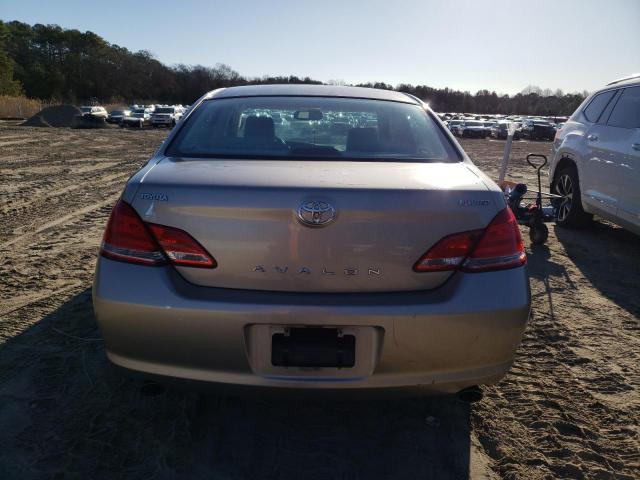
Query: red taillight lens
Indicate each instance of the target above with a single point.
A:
(126, 238)
(449, 252)
(181, 248)
(498, 247)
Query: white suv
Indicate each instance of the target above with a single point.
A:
(166, 116)
(596, 164)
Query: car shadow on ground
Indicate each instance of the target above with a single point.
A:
(66, 413)
(609, 257)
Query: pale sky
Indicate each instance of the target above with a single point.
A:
(499, 45)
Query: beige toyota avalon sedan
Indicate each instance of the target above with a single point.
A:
(313, 237)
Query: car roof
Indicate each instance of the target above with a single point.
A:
(312, 91)
(633, 78)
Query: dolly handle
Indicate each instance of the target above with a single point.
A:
(537, 167)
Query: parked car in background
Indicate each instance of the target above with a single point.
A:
(453, 124)
(116, 116)
(138, 118)
(537, 130)
(471, 129)
(489, 124)
(94, 111)
(166, 116)
(235, 256)
(596, 163)
(501, 130)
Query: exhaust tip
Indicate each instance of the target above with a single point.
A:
(470, 394)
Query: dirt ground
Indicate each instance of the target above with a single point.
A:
(567, 409)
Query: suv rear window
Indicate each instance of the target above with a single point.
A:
(301, 128)
(626, 113)
(597, 105)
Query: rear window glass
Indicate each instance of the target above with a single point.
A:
(311, 128)
(597, 105)
(626, 113)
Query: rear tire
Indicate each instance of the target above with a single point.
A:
(569, 210)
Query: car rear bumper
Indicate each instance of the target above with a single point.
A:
(464, 333)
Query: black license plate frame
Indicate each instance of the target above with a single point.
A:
(313, 347)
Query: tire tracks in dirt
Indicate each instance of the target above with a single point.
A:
(567, 409)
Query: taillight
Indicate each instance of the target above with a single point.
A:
(497, 247)
(500, 246)
(181, 248)
(448, 253)
(128, 238)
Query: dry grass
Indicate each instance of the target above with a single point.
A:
(19, 107)
(23, 107)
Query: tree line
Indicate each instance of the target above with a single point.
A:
(51, 63)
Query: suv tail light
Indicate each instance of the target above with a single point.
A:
(129, 239)
(497, 247)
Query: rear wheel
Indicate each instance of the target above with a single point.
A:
(569, 209)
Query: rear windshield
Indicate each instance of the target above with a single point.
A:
(164, 110)
(311, 128)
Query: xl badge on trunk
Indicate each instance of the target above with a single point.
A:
(316, 213)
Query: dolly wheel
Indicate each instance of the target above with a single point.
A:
(538, 233)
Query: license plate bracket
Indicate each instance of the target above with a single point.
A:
(313, 347)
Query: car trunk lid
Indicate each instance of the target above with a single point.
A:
(247, 215)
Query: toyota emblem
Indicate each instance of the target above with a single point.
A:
(316, 213)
